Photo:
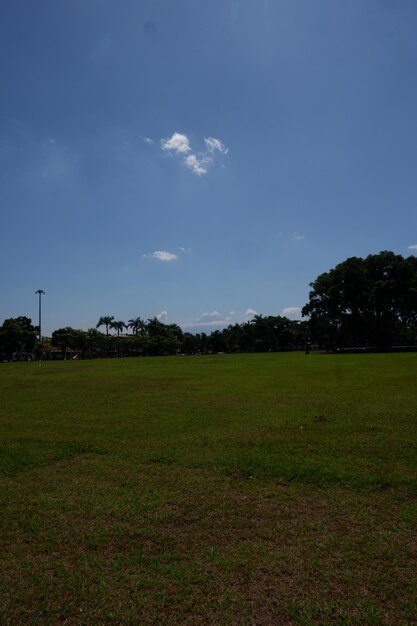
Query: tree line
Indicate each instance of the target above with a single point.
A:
(362, 302)
(151, 338)
(154, 338)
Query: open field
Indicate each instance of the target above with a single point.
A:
(242, 489)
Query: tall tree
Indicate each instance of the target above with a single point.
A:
(117, 325)
(105, 320)
(65, 338)
(17, 335)
(94, 341)
(136, 324)
(364, 301)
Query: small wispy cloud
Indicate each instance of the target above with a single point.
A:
(177, 142)
(211, 314)
(292, 312)
(198, 166)
(216, 319)
(197, 162)
(413, 247)
(161, 255)
(298, 237)
(165, 255)
(148, 140)
(207, 324)
(209, 319)
(213, 144)
(162, 316)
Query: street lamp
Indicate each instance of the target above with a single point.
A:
(40, 292)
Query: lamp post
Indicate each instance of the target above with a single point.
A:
(40, 292)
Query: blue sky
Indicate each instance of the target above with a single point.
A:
(200, 160)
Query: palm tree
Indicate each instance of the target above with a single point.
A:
(118, 325)
(105, 320)
(136, 324)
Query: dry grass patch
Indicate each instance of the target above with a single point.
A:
(157, 544)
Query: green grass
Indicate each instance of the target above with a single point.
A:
(244, 489)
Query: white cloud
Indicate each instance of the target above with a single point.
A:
(209, 324)
(148, 140)
(216, 319)
(213, 144)
(292, 311)
(196, 165)
(162, 316)
(298, 236)
(197, 162)
(211, 314)
(209, 319)
(177, 142)
(413, 247)
(163, 255)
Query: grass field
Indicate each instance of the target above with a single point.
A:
(229, 489)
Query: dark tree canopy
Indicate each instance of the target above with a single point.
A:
(65, 338)
(371, 301)
(17, 335)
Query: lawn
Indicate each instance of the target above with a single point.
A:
(226, 489)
